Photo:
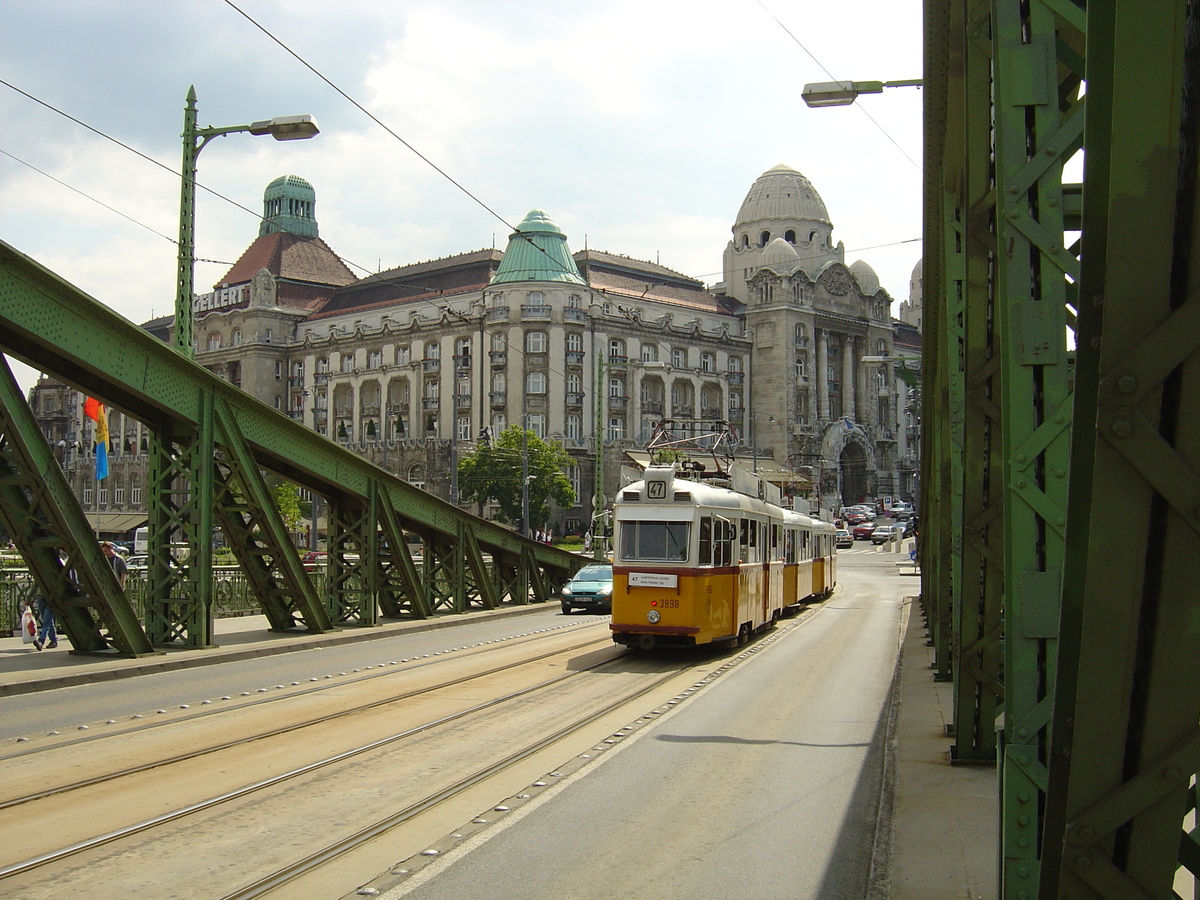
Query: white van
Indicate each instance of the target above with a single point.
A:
(141, 541)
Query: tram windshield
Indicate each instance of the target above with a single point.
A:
(641, 540)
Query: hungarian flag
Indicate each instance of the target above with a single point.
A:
(95, 411)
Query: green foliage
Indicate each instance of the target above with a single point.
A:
(668, 456)
(493, 472)
(287, 498)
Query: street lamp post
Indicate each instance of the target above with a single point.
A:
(843, 93)
(282, 128)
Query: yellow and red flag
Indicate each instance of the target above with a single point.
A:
(94, 410)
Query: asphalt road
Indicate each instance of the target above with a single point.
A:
(766, 784)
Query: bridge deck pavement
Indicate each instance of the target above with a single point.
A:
(944, 818)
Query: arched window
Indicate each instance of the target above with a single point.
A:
(214, 340)
(745, 241)
(416, 476)
(801, 334)
(235, 339)
(790, 236)
(764, 239)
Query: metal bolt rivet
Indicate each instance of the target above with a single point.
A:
(1087, 832)
(1127, 384)
(1024, 798)
(1122, 428)
(1083, 862)
(1022, 820)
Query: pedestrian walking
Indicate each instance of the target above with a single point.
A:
(48, 631)
(118, 564)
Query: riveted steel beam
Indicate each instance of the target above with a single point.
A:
(1124, 744)
(43, 518)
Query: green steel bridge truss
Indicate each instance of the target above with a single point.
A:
(211, 445)
(1061, 429)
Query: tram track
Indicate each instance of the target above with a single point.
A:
(143, 724)
(425, 793)
(276, 732)
(47, 859)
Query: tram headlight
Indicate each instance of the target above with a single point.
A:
(653, 616)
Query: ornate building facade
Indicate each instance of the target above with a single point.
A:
(411, 366)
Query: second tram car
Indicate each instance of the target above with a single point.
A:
(697, 563)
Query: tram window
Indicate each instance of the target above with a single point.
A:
(706, 540)
(654, 540)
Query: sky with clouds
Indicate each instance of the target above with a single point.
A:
(637, 126)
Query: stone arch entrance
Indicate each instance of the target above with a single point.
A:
(855, 479)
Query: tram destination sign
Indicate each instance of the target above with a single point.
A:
(653, 579)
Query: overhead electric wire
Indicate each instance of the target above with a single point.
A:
(861, 108)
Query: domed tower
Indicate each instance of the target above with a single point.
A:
(537, 251)
(289, 205)
(781, 204)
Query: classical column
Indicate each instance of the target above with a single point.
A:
(848, 375)
(822, 376)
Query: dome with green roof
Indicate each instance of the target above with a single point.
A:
(537, 251)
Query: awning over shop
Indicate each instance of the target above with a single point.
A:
(116, 523)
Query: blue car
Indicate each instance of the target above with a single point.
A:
(590, 589)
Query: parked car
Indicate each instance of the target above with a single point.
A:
(136, 563)
(852, 515)
(863, 531)
(591, 589)
(902, 512)
(844, 539)
(886, 533)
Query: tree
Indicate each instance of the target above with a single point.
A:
(287, 498)
(493, 472)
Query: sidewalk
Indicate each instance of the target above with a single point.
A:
(946, 831)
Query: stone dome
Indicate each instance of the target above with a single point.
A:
(867, 279)
(779, 255)
(782, 193)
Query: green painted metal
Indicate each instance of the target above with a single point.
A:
(1038, 116)
(211, 439)
(44, 520)
(976, 538)
(257, 534)
(402, 592)
(1124, 742)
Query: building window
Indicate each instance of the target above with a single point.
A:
(537, 424)
(576, 481)
(801, 335)
(497, 299)
(616, 350)
(535, 342)
(374, 359)
(433, 350)
(499, 423)
(416, 476)
(103, 495)
(279, 371)
(87, 496)
(649, 352)
(464, 428)
(537, 298)
(235, 339)
(347, 362)
(499, 341)
(735, 364)
(573, 383)
(574, 342)
(801, 365)
(616, 428)
(269, 335)
(499, 383)
(679, 358)
(214, 340)
(575, 426)
(708, 362)
(119, 494)
(616, 387)
(278, 402)
(135, 495)
(322, 364)
(535, 383)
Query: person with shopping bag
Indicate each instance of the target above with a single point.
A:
(29, 628)
(48, 632)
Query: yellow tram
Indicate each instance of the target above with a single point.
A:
(696, 563)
